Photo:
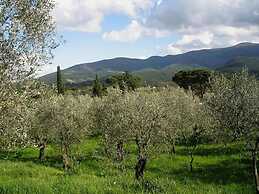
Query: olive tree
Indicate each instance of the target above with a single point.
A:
(233, 103)
(200, 129)
(12, 121)
(41, 131)
(65, 120)
(114, 122)
(15, 113)
(27, 38)
(178, 105)
(72, 122)
(186, 121)
(146, 115)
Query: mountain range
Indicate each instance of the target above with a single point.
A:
(158, 68)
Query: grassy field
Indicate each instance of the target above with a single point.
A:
(217, 169)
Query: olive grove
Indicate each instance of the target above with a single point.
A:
(224, 110)
(147, 118)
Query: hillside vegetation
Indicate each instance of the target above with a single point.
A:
(156, 69)
(237, 64)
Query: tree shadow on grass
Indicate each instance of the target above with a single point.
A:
(232, 171)
(213, 151)
(87, 161)
(53, 161)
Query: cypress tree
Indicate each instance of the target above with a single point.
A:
(97, 87)
(59, 81)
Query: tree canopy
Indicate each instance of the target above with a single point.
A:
(196, 80)
(27, 38)
(125, 81)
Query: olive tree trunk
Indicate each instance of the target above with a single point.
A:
(120, 151)
(172, 151)
(42, 147)
(140, 167)
(142, 161)
(66, 159)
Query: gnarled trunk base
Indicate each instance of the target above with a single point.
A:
(140, 167)
(120, 151)
(66, 160)
(42, 147)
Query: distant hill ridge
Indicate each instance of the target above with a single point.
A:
(158, 68)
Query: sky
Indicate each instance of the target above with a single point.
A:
(101, 29)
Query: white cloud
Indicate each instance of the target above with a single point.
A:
(133, 32)
(213, 37)
(206, 24)
(183, 14)
(204, 38)
(87, 15)
(188, 42)
(173, 50)
(198, 23)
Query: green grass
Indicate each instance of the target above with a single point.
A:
(217, 169)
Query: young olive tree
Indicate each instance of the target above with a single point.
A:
(186, 121)
(15, 113)
(65, 120)
(72, 122)
(178, 106)
(114, 122)
(13, 125)
(146, 115)
(233, 103)
(200, 129)
(41, 131)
